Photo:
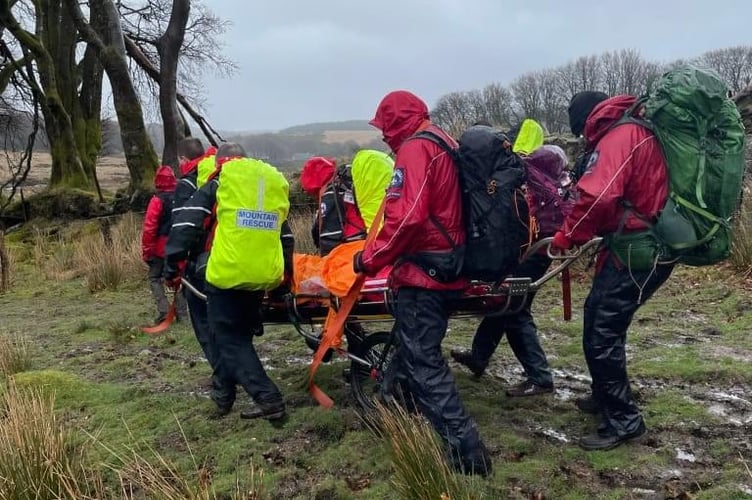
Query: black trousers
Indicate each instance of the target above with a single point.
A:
(522, 334)
(234, 317)
(609, 308)
(197, 309)
(418, 366)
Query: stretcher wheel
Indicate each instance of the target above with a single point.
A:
(365, 381)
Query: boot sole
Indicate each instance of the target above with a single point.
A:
(269, 416)
(614, 445)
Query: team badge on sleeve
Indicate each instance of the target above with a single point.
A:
(398, 178)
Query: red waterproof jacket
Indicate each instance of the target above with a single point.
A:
(423, 197)
(158, 212)
(627, 165)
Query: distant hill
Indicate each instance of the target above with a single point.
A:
(322, 127)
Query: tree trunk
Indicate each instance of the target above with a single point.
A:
(139, 152)
(67, 169)
(168, 47)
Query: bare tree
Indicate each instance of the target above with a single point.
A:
(498, 102)
(527, 97)
(153, 29)
(454, 113)
(108, 41)
(734, 64)
(51, 48)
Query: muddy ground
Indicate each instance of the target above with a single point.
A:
(689, 351)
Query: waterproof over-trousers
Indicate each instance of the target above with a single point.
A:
(609, 308)
(234, 317)
(197, 310)
(522, 334)
(419, 369)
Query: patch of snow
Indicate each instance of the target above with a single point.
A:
(684, 455)
(559, 436)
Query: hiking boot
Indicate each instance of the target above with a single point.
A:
(466, 359)
(220, 412)
(587, 405)
(477, 461)
(528, 388)
(607, 440)
(274, 411)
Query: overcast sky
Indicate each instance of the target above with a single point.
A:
(304, 61)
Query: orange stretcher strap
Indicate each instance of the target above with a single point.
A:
(334, 327)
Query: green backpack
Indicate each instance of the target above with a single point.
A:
(703, 140)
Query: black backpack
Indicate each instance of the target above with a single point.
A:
(333, 220)
(495, 209)
(165, 218)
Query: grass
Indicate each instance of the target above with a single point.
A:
(741, 244)
(300, 224)
(107, 264)
(420, 468)
(39, 458)
(15, 355)
(147, 396)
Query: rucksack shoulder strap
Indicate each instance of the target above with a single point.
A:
(438, 140)
(630, 116)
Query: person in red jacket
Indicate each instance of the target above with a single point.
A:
(156, 228)
(423, 211)
(625, 185)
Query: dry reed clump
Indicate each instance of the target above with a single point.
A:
(741, 243)
(15, 356)
(300, 224)
(39, 458)
(420, 467)
(113, 256)
(159, 478)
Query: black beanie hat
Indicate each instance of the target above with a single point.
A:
(580, 107)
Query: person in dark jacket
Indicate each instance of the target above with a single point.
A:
(156, 227)
(624, 185)
(192, 156)
(248, 250)
(422, 212)
(519, 327)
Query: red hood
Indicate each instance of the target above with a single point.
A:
(604, 115)
(164, 179)
(317, 171)
(399, 115)
(191, 165)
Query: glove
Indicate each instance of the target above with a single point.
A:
(358, 266)
(171, 274)
(561, 242)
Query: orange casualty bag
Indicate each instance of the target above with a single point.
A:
(337, 268)
(307, 274)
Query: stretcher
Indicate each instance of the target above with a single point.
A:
(369, 352)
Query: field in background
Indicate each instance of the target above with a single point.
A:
(361, 137)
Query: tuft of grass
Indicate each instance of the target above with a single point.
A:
(109, 263)
(157, 477)
(420, 469)
(39, 457)
(300, 224)
(14, 354)
(741, 243)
